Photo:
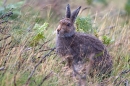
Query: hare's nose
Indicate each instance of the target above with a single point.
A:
(58, 30)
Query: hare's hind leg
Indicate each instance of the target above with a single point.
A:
(82, 69)
(82, 81)
(79, 76)
(81, 73)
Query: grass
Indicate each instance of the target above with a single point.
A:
(19, 59)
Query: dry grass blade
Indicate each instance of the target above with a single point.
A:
(24, 64)
(45, 78)
(30, 76)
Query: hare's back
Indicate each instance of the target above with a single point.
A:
(94, 45)
(89, 40)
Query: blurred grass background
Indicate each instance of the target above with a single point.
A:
(27, 38)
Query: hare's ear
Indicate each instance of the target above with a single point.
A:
(74, 14)
(68, 12)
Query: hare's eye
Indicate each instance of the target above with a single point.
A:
(68, 24)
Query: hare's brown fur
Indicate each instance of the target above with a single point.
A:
(80, 48)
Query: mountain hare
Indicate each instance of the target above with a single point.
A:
(85, 54)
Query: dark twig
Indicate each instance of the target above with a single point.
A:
(45, 50)
(45, 78)
(5, 38)
(122, 73)
(44, 44)
(8, 43)
(125, 71)
(6, 15)
(30, 76)
(3, 22)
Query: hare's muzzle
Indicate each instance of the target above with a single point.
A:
(58, 29)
